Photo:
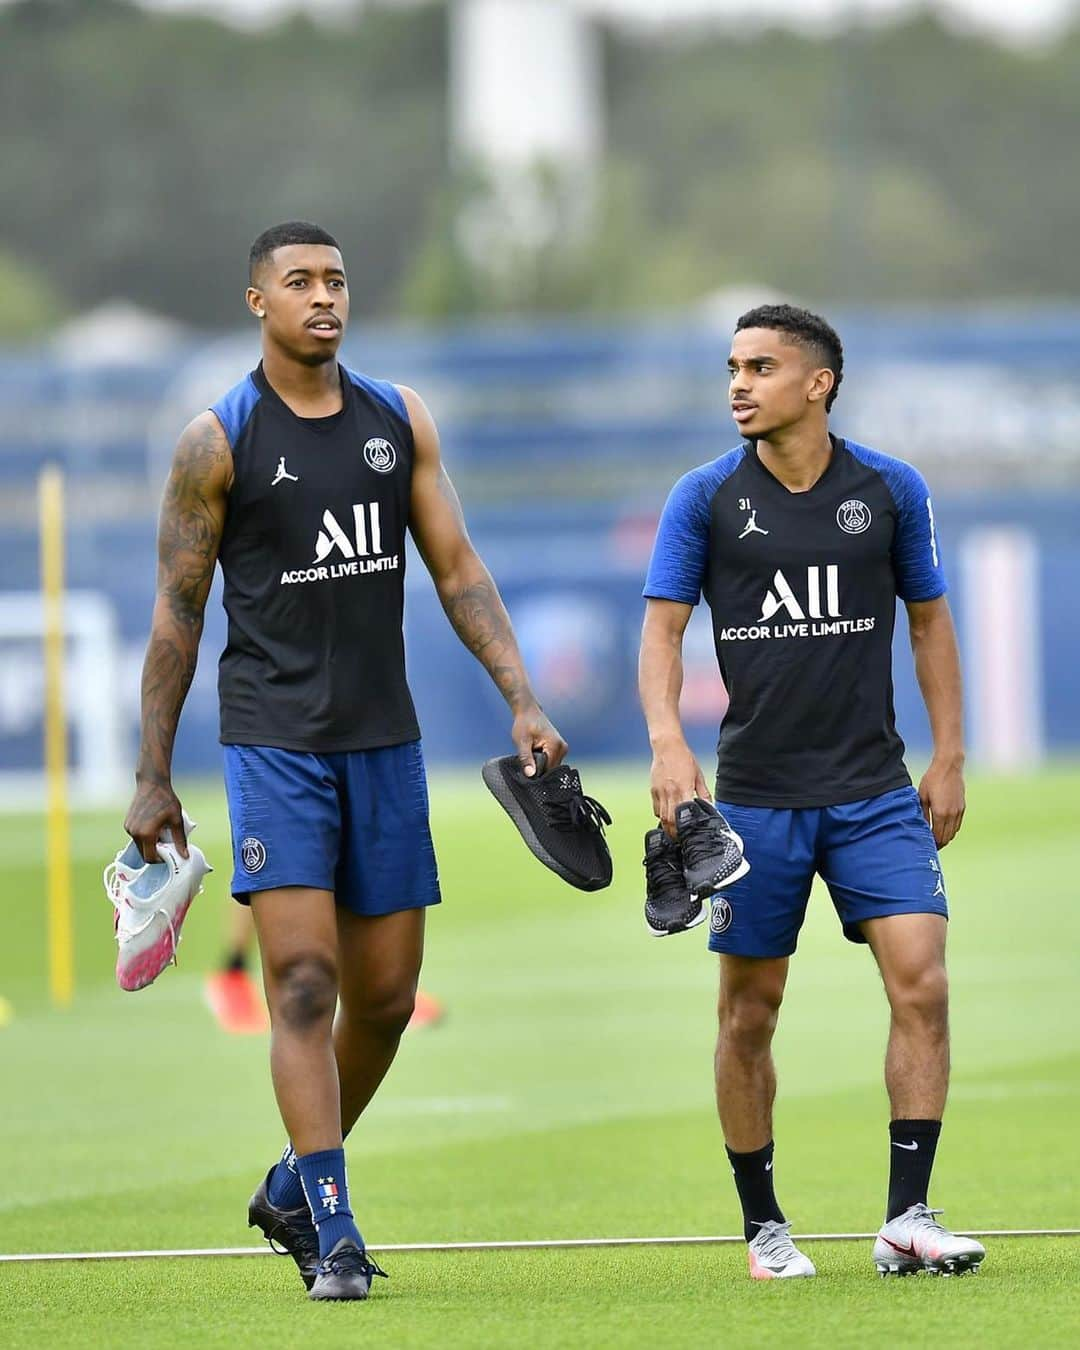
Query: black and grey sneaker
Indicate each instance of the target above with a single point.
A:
(290, 1232)
(345, 1274)
(563, 827)
(712, 852)
(669, 905)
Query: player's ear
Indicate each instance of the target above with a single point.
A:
(255, 302)
(821, 385)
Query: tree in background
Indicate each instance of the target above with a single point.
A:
(142, 151)
(30, 305)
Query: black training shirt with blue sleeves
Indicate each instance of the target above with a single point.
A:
(802, 587)
(313, 558)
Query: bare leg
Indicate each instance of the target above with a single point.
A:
(239, 931)
(298, 939)
(910, 953)
(380, 966)
(750, 995)
(232, 995)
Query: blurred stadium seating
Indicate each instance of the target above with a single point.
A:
(564, 441)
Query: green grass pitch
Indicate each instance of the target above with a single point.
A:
(567, 1094)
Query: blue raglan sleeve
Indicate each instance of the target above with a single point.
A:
(235, 408)
(681, 551)
(915, 550)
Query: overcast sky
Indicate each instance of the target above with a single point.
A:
(1025, 19)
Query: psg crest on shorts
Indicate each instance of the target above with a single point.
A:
(720, 914)
(853, 516)
(252, 854)
(380, 455)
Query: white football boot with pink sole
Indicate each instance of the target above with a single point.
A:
(151, 901)
(914, 1241)
(773, 1255)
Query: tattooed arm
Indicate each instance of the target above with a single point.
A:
(189, 533)
(468, 593)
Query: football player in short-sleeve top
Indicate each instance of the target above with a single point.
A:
(801, 543)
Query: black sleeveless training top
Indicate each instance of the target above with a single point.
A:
(313, 557)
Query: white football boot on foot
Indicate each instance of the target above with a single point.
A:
(773, 1255)
(151, 901)
(915, 1241)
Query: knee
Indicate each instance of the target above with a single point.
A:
(385, 1010)
(748, 1017)
(305, 992)
(921, 995)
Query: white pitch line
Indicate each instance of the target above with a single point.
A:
(530, 1244)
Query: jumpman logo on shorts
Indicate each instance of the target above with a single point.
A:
(752, 527)
(283, 473)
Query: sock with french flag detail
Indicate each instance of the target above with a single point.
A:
(327, 1191)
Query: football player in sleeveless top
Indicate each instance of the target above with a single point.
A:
(302, 482)
(801, 543)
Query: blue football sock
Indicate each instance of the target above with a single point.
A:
(285, 1189)
(327, 1191)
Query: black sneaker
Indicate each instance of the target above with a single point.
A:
(291, 1229)
(712, 852)
(669, 905)
(345, 1274)
(563, 827)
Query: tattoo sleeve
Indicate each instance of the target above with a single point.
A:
(475, 608)
(189, 533)
(480, 620)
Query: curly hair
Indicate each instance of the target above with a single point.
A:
(808, 330)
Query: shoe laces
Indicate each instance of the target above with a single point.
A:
(663, 873)
(305, 1241)
(773, 1241)
(702, 839)
(112, 886)
(568, 809)
(924, 1217)
(351, 1261)
(304, 1244)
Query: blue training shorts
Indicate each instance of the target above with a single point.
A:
(355, 823)
(877, 857)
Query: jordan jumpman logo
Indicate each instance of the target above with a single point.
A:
(752, 527)
(283, 473)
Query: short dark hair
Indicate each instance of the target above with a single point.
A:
(808, 330)
(291, 232)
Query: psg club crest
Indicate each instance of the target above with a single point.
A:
(720, 915)
(853, 516)
(380, 455)
(252, 854)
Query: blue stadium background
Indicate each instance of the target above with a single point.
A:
(563, 441)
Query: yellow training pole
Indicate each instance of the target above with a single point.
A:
(57, 831)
